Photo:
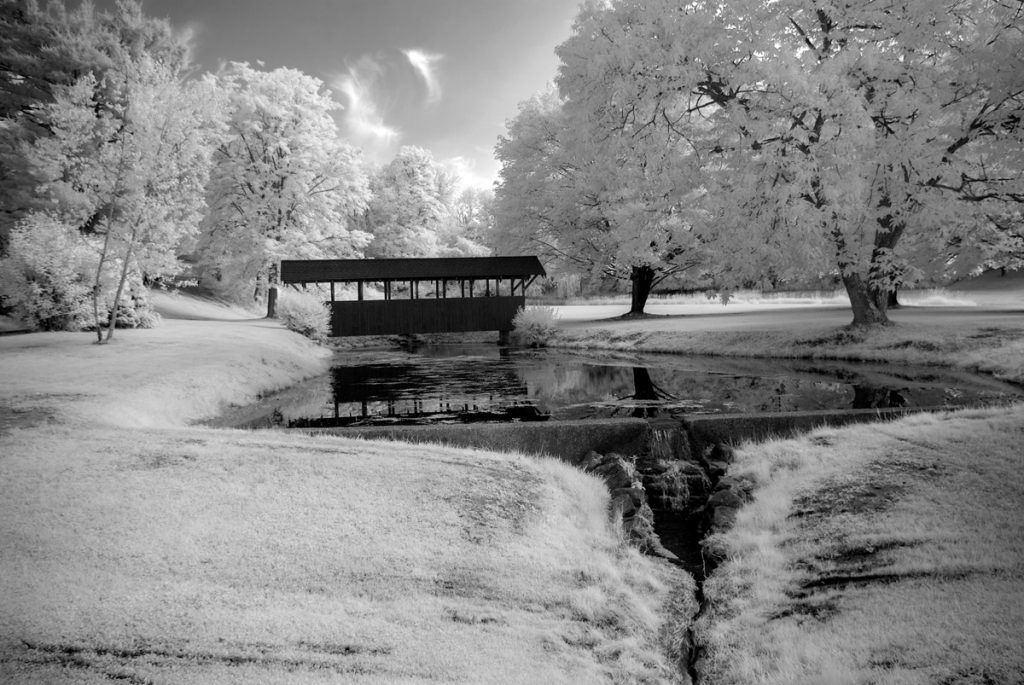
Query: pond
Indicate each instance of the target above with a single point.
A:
(464, 383)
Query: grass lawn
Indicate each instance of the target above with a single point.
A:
(136, 548)
(982, 342)
(886, 553)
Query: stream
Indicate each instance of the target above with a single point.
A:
(469, 383)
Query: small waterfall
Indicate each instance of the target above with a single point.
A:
(677, 486)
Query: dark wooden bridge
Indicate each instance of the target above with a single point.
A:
(444, 295)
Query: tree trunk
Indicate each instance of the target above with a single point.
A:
(886, 238)
(643, 389)
(642, 278)
(272, 302)
(97, 286)
(643, 386)
(892, 300)
(885, 299)
(120, 286)
(866, 309)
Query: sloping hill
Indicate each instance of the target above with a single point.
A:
(194, 306)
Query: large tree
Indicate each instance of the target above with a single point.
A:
(825, 135)
(411, 206)
(590, 204)
(283, 185)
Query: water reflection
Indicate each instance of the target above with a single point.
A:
(868, 397)
(469, 383)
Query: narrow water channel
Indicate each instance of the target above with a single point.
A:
(466, 383)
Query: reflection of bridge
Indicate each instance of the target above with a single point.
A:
(395, 394)
(410, 390)
(445, 295)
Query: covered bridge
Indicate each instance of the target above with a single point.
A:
(433, 295)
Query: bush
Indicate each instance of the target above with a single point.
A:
(42, 277)
(136, 311)
(535, 326)
(305, 314)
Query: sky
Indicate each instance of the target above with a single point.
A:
(441, 74)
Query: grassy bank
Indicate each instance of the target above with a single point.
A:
(890, 553)
(978, 326)
(977, 344)
(136, 548)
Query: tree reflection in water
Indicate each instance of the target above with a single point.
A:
(645, 390)
(871, 397)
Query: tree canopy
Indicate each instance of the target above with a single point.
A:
(416, 212)
(283, 183)
(48, 48)
(812, 135)
(591, 204)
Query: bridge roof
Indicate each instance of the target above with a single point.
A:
(427, 269)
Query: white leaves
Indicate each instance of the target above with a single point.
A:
(283, 185)
(43, 276)
(821, 131)
(138, 164)
(410, 208)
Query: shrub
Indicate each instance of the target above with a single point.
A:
(535, 326)
(136, 310)
(304, 313)
(41, 278)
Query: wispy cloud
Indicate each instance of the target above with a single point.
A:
(383, 88)
(361, 85)
(424, 63)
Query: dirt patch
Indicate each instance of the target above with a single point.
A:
(112, 661)
(24, 417)
(857, 556)
(989, 333)
(812, 607)
(856, 498)
(917, 345)
(843, 336)
(874, 490)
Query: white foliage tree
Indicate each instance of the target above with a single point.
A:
(410, 206)
(826, 135)
(131, 168)
(539, 205)
(592, 202)
(470, 224)
(283, 184)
